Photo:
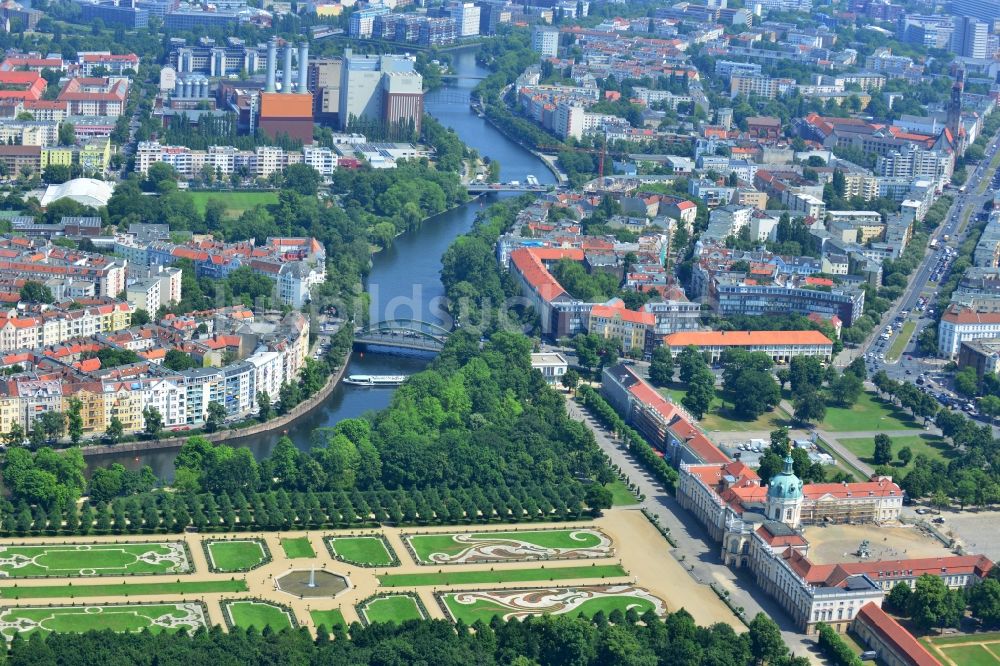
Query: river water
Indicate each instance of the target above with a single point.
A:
(404, 281)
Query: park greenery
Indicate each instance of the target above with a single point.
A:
(971, 475)
(615, 638)
(930, 604)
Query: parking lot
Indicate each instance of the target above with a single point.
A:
(967, 528)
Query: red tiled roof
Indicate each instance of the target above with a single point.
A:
(957, 314)
(882, 488)
(529, 263)
(902, 641)
(623, 313)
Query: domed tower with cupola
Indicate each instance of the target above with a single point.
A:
(784, 496)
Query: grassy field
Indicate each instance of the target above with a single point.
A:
(437, 548)
(365, 550)
(971, 655)
(297, 547)
(135, 617)
(105, 559)
(236, 202)
(121, 589)
(899, 344)
(328, 618)
(394, 608)
(720, 414)
(236, 555)
(258, 614)
(621, 495)
(501, 576)
(986, 637)
(932, 446)
(868, 413)
(470, 607)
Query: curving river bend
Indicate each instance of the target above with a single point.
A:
(404, 280)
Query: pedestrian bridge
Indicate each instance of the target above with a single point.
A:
(403, 334)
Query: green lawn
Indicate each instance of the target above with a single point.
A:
(620, 494)
(868, 413)
(297, 547)
(364, 550)
(971, 655)
(236, 202)
(105, 559)
(501, 576)
(451, 547)
(958, 639)
(899, 344)
(236, 555)
(328, 618)
(121, 589)
(932, 446)
(257, 614)
(394, 608)
(134, 617)
(482, 607)
(720, 415)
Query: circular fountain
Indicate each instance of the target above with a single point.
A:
(312, 583)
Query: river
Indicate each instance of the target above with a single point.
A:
(404, 280)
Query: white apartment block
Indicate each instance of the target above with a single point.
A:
(911, 162)
(545, 40)
(960, 324)
(224, 160)
(466, 18)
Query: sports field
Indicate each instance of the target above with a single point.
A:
(363, 550)
(327, 618)
(473, 547)
(238, 555)
(257, 614)
(295, 547)
(97, 559)
(519, 604)
(393, 608)
(966, 650)
(134, 617)
(235, 202)
(501, 576)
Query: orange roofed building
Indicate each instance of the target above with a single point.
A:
(781, 346)
(291, 114)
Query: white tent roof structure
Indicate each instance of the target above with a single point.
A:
(86, 191)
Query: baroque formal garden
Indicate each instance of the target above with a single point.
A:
(243, 580)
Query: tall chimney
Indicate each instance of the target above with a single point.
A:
(272, 64)
(286, 74)
(303, 66)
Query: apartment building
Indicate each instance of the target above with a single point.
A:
(84, 96)
(629, 327)
(762, 86)
(960, 324)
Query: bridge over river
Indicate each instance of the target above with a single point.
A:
(403, 334)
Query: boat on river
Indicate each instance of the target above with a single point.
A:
(375, 380)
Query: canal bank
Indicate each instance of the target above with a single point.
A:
(404, 282)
